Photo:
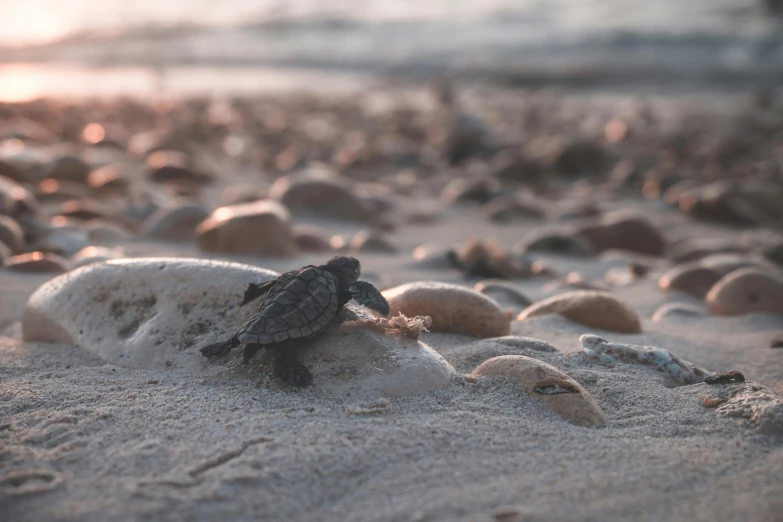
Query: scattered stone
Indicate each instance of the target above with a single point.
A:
(69, 168)
(522, 205)
(745, 291)
(717, 203)
(371, 241)
(51, 190)
(732, 376)
(554, 242)
(174, 224)
(777, 342)
(37, 262)
(311, 239)
(696, 249)
(626, 275)
(453, 308)
(504, 292)
(544, 382)
(581, 158)
(691, 278)
(487, 259)
(95, 254)
(108, 180)
(11, 234)
(63, 240)
(679, 371)
(760, 405)
(590, 308)
(433, 257)
(101, 231)
(263, 228)
(624, 231)
(670, 310)
(321, 195)
(479, 190)
(172, 166)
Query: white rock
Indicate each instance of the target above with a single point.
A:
(158, 312)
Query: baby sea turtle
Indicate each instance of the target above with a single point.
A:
(299, 304)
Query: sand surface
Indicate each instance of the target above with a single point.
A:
(130, 444)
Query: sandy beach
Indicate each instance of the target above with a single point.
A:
(576, 194)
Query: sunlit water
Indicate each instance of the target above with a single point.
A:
(611, 37)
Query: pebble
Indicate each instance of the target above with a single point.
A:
(69, 168)
(624, 231)
(555, 242)
(95, 254)
(504, 292)
(745, 291)
(461, 190)
(262, 228)
(679, 371)
(64, 240)
(596, 309)
(762, 406)
(670, 310)
(323, 195)
(37, 262)
(520, 206)
(371, 241)
(626, 275)
(691, 278)
(51, 190)
(172, 166)
(108, 180)
(453, 309)
(310, 238)
(774, 253)
(175, 223)
(101, 231)
(579, 158)
(488, 259)
(11, 234)
(11, 172)
(542, 381)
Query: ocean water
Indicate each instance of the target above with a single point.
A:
(707, 41)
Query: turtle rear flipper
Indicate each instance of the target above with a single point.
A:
(218, 349)
(254, 291)
(368, 296)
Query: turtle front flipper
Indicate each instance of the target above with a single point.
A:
(254, 291)
(368, 296)
(218, 349)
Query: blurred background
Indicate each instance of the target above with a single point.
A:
(90, 47)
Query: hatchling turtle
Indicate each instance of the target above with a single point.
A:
(299, 304)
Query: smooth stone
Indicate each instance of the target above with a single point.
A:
(69, 168)
(513, 208)
(117, 311)
(64, 240)
(462, 190)
(108, 180)
(745, 291)
(37, 262)
(16, 201)
(310, 238)
(545, 383)
(670, 310)
(370, 241)
(51, 190)
(696, 249)
(262, 228)
(591, 308)
(690, 278)
(11, 234)
(104, 232)
(555, 242)
(453, 309)
(322, 195)
(174, 224)
(173, 166)
(579, 158)
(624, 231)
(504, 292)
(95, 254)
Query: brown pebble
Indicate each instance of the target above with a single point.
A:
(321, 195)
(624, 231)
(504, 292)
(668, 310)
(777, 342)
(745, 291)
(708, 401)
(370, 241)
(690, 278)
(174, 224)
(311, 239)
(38, 262)
(488, 259)
(590, 308)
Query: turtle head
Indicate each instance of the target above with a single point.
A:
(344, 269)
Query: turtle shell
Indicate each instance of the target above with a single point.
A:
(300, 304)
